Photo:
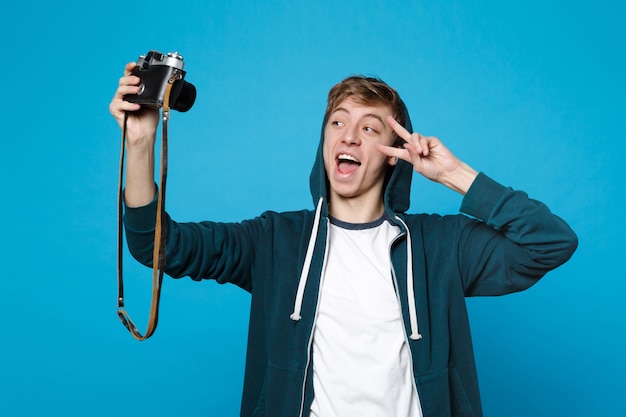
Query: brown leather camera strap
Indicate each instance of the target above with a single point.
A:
(158, 255)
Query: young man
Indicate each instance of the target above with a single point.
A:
(357, 309)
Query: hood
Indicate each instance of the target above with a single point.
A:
(397, 189)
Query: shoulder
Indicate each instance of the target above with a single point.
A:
(434, 220)
(286, 220)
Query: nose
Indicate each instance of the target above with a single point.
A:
(351, 136)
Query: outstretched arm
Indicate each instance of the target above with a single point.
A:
(430, 158)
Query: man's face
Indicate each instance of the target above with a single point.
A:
(353, 165)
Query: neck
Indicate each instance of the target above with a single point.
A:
(356, 210)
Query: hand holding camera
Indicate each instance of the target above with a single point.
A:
(135, 106)
(142, 122)
(142, 91)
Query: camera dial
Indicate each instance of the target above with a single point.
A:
(172, 60)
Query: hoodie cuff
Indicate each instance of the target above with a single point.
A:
(141, 219)
(482, 197)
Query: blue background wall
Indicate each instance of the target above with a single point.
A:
(530, 92)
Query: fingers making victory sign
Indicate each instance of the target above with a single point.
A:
(430, 158)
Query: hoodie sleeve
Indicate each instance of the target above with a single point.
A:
(207, 250)
(517, 241)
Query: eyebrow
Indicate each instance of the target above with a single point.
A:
(365, 115)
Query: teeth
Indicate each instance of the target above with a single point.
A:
(347, 157)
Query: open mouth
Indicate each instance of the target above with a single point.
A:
(347, 164)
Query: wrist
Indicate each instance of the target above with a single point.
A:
(140, 143)
(461, 179)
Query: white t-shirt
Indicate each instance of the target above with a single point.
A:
(361, 360)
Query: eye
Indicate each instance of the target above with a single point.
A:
(370, 129)
(336, 123)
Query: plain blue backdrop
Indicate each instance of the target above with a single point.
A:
(532, 93)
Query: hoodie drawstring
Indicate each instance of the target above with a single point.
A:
(415, 333)
(297, 308)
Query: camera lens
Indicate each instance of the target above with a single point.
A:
(186, 98)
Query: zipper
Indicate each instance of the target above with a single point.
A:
(310, 342)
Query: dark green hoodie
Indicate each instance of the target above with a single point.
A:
(508, 244)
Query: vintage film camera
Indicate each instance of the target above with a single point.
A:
(155, 70)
